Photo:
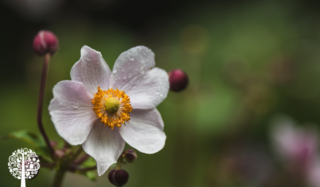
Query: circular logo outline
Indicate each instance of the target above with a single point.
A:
(31, 163)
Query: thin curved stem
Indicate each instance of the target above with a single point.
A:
(81, 159)
(119, 163)
(40, 103)
(74, 168)
(87, 168)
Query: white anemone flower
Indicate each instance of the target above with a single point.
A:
(102, 110)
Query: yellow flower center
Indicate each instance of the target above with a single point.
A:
(112, 107)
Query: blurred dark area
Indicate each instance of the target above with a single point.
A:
(248, 63)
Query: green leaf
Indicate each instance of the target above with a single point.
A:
(91, 175)
(89, 162)
(26, 136)
(34, 139)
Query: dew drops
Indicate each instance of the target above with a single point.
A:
(161, 95)
(115, 71)
(131, 59)
(157, 93)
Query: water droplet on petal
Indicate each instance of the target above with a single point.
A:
(161, 95)
(131, 59)
(115, 71)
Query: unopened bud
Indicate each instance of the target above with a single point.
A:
(53, 144)
(45, 42)
(178, 80)
(118, 177)
(130, 155)
(59, 153)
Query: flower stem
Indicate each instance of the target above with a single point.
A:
(81, 159)
(118, 165)
(58, 177)
(40, 103)
(87, 168)
(74, 168)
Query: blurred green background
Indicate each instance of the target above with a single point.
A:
(247, 61)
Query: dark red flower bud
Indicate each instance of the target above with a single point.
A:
(45, 42)
(178, 80)
(118, 177)
(130, 155)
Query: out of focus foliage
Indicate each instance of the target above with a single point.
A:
(247, 61)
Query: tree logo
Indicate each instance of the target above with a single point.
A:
(24, 160)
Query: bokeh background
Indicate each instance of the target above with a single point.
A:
(247, 61)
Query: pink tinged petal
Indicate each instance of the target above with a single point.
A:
(104, 145)
(313, 174)
(132, 73)
(91, 70)
(284, 137)
(144, 131)
(71, 111)
(294, 143)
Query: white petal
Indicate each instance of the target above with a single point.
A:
(144, 131)
(91, 70)
(132, 73)
(104, 145)
(71, 111)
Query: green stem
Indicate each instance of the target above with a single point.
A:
(58, 177)
(118, 165)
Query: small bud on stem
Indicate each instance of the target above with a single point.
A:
(130, 155)
(178, 80)
(45, 42)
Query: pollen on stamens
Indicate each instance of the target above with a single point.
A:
(112, 106)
